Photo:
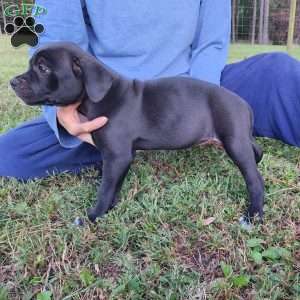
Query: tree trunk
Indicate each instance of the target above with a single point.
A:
(266, 22)
(233, 10)
(254, 22)
(261, 21)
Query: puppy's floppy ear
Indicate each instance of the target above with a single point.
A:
(96, 78)
(76, 67)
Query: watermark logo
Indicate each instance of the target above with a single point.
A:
(24, 30)
(24, 10)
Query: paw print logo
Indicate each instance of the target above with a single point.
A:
(24, 31)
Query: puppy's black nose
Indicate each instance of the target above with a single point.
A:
(18, 82)
(14, 82)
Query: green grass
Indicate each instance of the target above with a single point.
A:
(155, 244)
(242, 51)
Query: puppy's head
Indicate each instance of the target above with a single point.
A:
(61, 74)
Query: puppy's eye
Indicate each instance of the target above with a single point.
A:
(44, 69)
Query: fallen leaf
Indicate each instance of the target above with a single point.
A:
(208, 221)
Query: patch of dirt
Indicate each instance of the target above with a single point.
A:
(94, 294)
(108, 271)
(166, 169)
(8, 278)
(199, 257)
(7, 273)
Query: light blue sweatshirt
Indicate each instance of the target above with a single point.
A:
(141, 39)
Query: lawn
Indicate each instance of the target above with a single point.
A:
(174, 235)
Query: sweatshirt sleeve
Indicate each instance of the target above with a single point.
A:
(211, 41)
(63, 21)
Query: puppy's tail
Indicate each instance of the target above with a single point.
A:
(257, 151)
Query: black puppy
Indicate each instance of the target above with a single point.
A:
(168, 113)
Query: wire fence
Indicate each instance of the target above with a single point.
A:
(264, 21)
(253, 21)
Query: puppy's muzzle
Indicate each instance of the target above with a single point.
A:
(18, 82)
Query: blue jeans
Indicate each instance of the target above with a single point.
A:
(270, 83)
(32, 151)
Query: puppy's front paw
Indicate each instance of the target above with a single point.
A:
(247, 220)
(78, 222)
(245, 223)
(92, 215)
(254, 214)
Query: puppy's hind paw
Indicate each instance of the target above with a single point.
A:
(246, 223)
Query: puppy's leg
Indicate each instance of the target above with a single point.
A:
(119, 186)
(116, 199)
(115, 168)
(258, 153)
(241, 152)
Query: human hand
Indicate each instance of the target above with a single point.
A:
(77, 124)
